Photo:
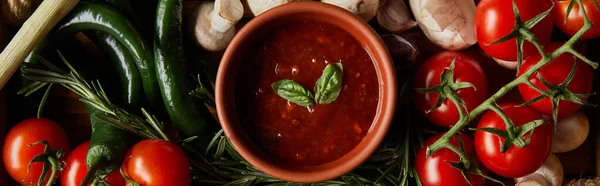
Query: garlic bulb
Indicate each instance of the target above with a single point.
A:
(447, 23)
(365, 9)
(394, 16)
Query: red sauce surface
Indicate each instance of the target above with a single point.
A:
(296, 134)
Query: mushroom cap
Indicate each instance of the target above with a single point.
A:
(571, 132)
(203, 33)
(549, 174)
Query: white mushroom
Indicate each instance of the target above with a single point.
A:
(365, 9)
(213, 24)
(447, 23)
(550, 174)
(571, 132)
(394, 16)
(256, 7)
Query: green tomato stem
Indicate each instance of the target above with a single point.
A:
(463, 157)
(55, 167)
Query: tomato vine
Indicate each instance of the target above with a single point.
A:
(514, 135)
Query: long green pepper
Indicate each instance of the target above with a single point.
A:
(188, 115)
(108, 143)
(103, 17)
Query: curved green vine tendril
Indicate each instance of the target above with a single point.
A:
(514, 135)
(49, 160)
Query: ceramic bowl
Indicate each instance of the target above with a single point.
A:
(248, 35)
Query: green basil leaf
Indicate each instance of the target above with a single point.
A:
(293, 92)
(329, 85)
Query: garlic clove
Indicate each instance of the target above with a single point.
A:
(506, 64)
(403, 50)
(365, 9)
(394, 16)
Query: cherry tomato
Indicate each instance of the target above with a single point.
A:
(465, 70)
(154, 162)
(555, 73)
(575, 20)
(495, 19)
(515, 162)
(16, 154)
(436, 170)
(75, 169)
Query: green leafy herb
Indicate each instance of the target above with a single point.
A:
(293, 92)
(329, 85)
(327, 88)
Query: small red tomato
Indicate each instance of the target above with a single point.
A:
(16, 153)
(75, 169)
(154, 162)
(495, 19)
(515, 162)
(575, 20)
(465, 70)
(436, 170)
(555, 73)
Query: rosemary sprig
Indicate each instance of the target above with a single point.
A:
(93, 94)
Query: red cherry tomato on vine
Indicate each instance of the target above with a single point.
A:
(75, 169)
(154, 162)
(16, 154)
(465, 70)
(436, 170)
(495, 19)
(555, 73)
(515, 162)
(575, 20)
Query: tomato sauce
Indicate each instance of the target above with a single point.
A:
(306, 135)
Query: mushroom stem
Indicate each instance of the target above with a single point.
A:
(225, 14)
